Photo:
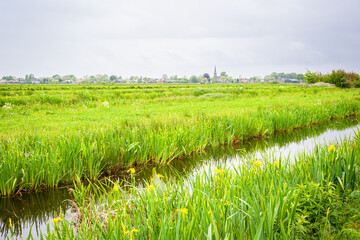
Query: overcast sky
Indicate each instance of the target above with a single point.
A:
(184, 37)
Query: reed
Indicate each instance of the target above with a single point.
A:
(301, 198)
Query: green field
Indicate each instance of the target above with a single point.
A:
(51, 135)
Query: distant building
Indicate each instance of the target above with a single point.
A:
(35, 81)
(215, 74)
(288, 80)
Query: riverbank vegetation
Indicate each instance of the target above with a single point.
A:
(339, 78)
(53, 135)
(314, 196)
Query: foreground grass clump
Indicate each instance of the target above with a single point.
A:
(314, 196)
(52, 135)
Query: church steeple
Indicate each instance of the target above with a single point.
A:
(215, 75)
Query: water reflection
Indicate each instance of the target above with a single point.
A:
(31, 211)
(37, 209)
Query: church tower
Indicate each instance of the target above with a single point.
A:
(215, 75)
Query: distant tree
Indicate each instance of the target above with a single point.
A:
(92, 78)
(339, 78)
(269, 77)
(113, 77)
(256, 78)
(223, 74)
(274, 75)
(300, 76)
(8, 78)
(164, 77)
(194, 79)
(309, 76)
(282, 75)
(292, 75)
(206, 75)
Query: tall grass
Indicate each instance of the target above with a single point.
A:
(43, 146)
(261, 199)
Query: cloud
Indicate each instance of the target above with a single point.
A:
(149, 38)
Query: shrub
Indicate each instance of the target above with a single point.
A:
(339, 78)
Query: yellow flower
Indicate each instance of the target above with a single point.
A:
(131, 170)
(115, 188)
(331, 148)
(357, 133)
(132, 232)
(276, 163)
(182, 210)
(151, 187)
(124, 229)
(227, 203)
(127, 232)
(219, 171)
(160, 176)
(56, 220)
(10, 222)
(257, 163)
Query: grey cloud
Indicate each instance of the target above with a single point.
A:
(177, 37)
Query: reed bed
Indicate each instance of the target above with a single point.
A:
(53, 135)
(313, 196)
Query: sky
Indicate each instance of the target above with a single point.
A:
(188, 37)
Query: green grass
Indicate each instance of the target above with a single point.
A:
(53, 135)
(314, 196)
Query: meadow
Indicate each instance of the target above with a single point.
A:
(52, 135)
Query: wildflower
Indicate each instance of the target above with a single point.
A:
(357, 133)
(276, 163)
(257, 163)
(160, 176)
(219, 171)
(331, 148)
(10, 222)
(216, 178)
(151, 187)
(182, 210)
(56, 220)
(116, 188)
(124, 229)
(227, 203)
(132, 232)
(131, 170)
(185, 182)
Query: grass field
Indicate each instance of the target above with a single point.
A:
(54, 134)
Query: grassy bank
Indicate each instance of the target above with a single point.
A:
(314, 196)
(52, 135)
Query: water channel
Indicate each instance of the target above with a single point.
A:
(33, 212)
